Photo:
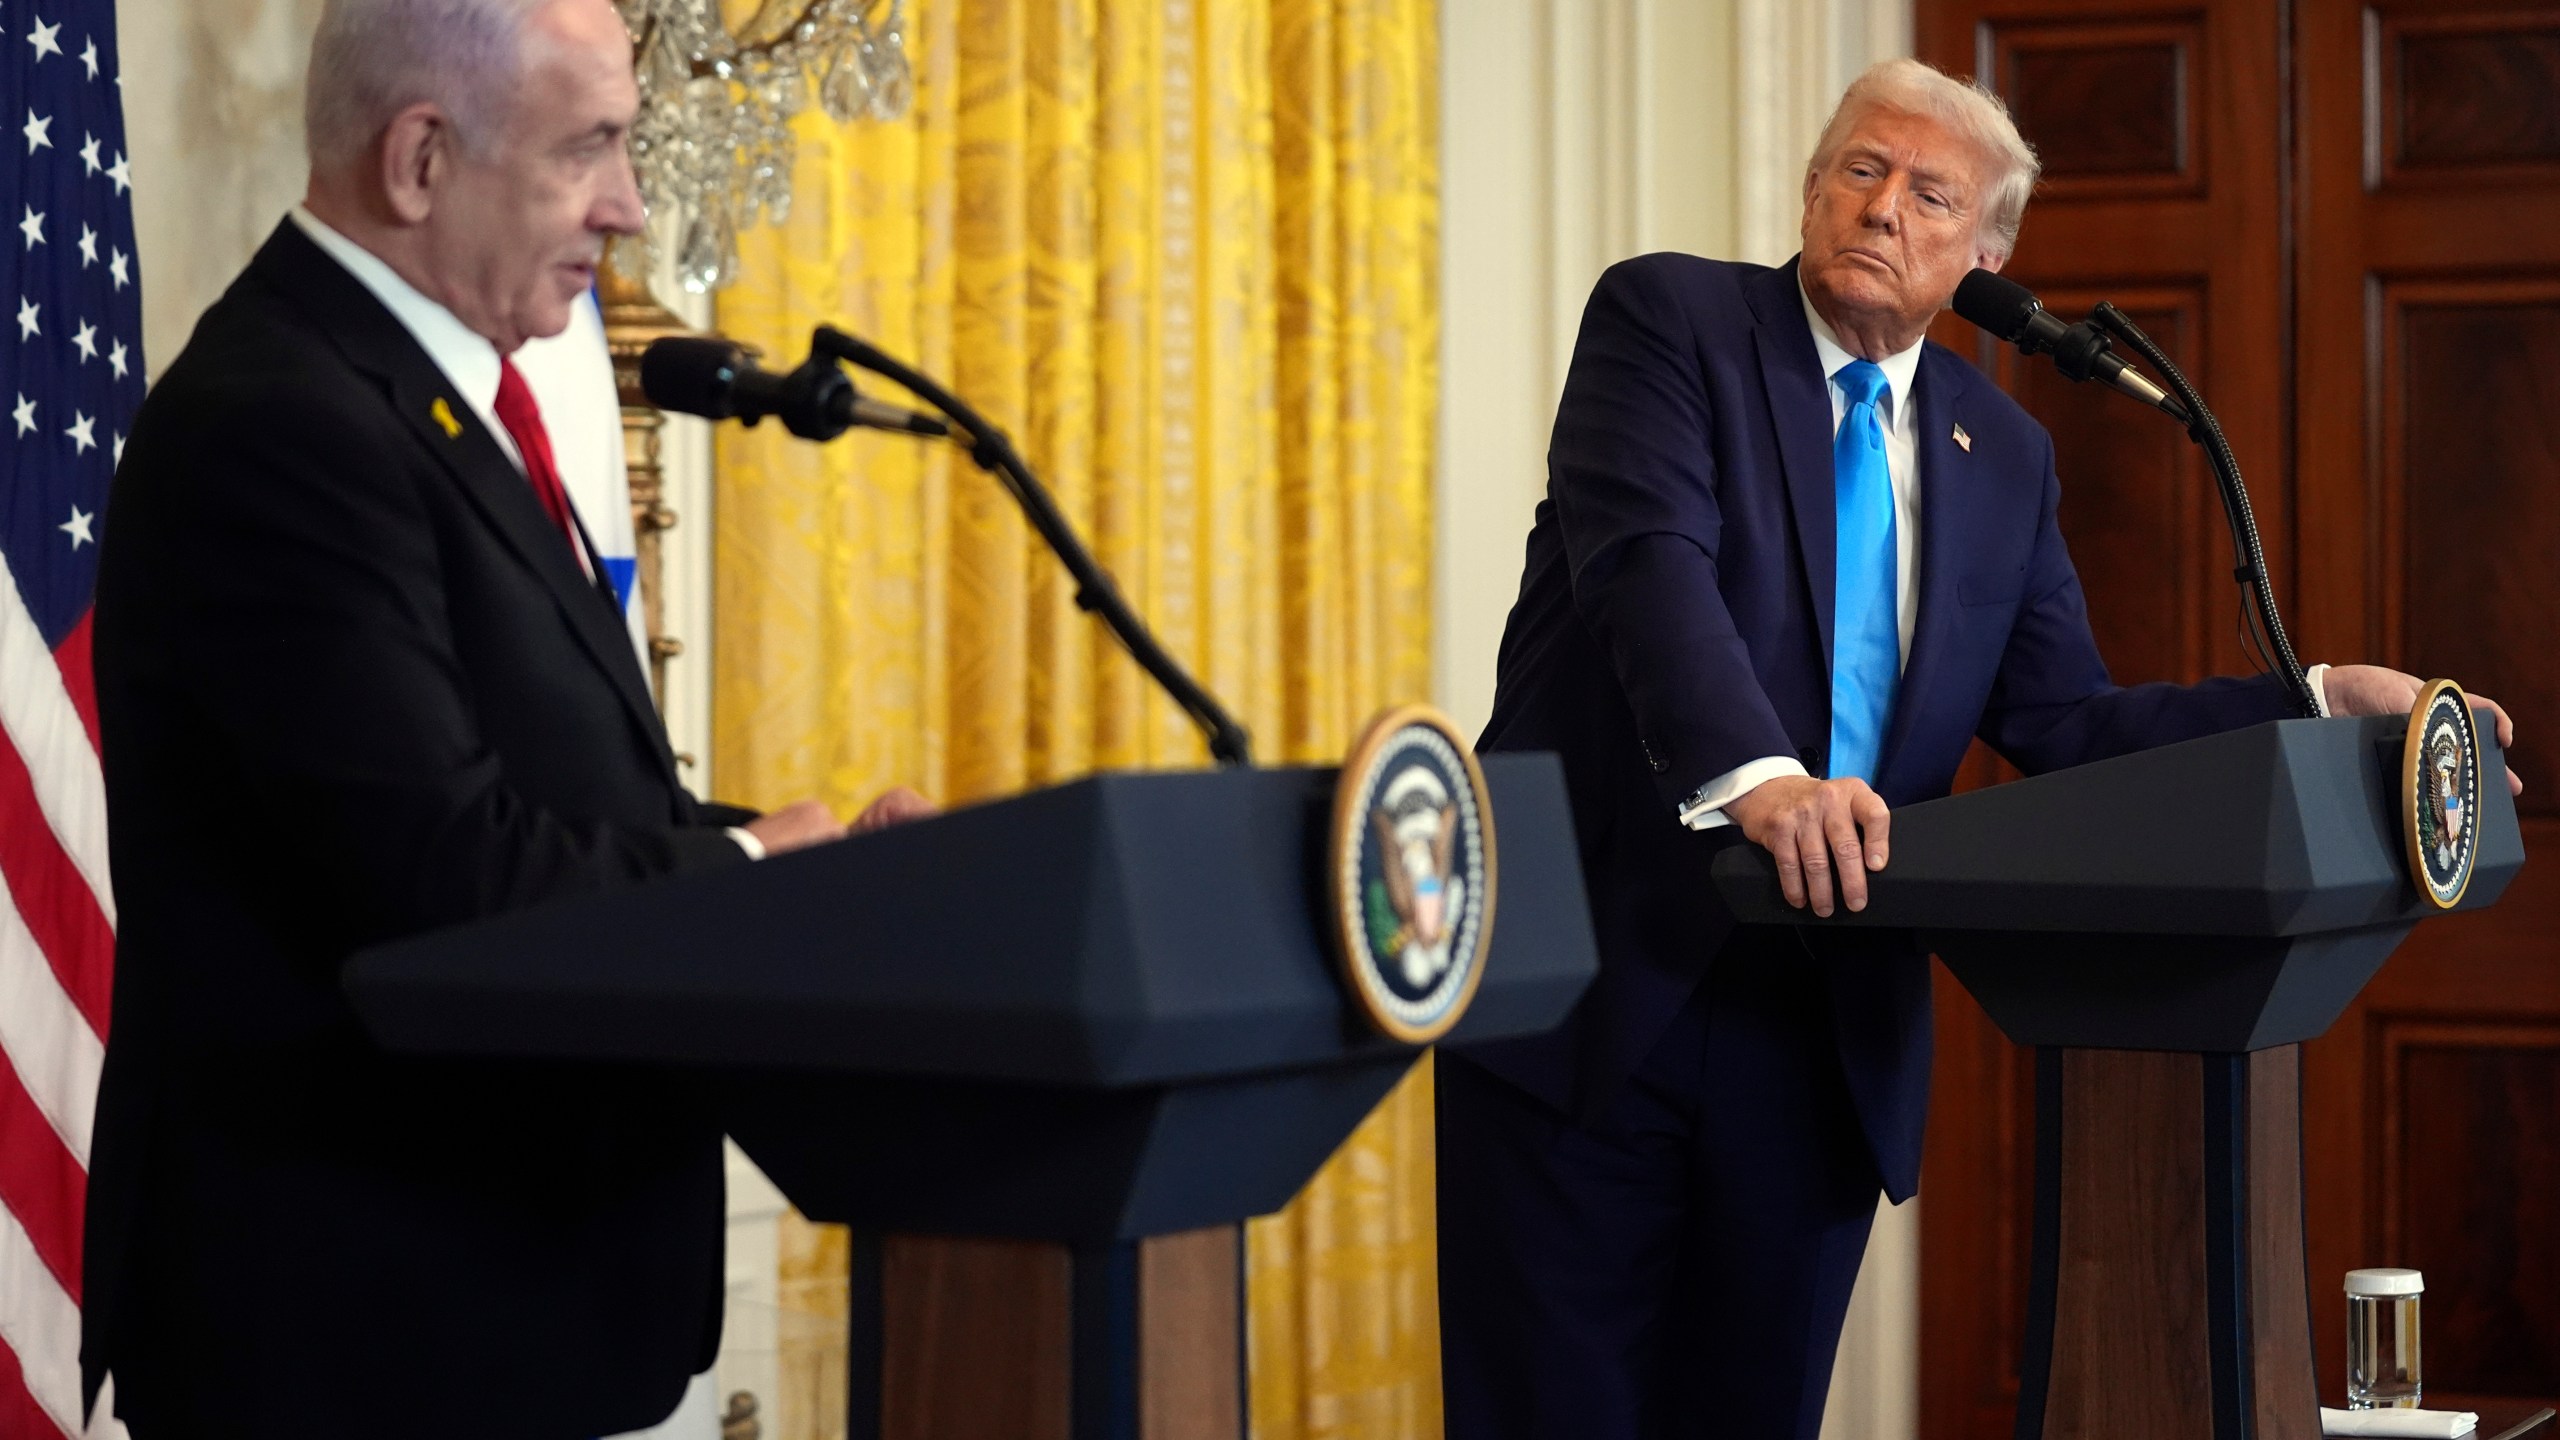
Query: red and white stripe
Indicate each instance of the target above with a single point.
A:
(57, 953)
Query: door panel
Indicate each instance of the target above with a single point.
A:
(2427, 384)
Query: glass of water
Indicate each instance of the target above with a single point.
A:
(2382, 1339)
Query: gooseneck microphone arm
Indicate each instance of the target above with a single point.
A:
(1096, 593)
(2249, 557)
(2009, 311)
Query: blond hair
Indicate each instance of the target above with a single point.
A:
(1964, 106)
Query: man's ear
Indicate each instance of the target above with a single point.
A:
(417, 154)
(1986, 259)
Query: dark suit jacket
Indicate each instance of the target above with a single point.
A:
(352, 686)
(1674, 622)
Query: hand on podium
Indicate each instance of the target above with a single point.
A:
(809, 822)
(2375, 690)
(1814, 827)
(795, 827)
(895, 806)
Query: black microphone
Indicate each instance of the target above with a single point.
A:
(713, 378)
(2011, 312)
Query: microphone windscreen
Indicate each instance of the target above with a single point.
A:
(693, 375)
(2000, 306)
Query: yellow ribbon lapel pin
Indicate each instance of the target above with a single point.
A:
(443, 413)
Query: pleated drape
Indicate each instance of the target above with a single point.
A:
(1186, 252)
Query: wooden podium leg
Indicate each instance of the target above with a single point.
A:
(2168, 1298)
(1018, 1340)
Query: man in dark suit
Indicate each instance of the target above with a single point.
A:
(1792, 559)
(359, 676)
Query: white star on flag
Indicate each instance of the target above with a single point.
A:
(32, 227)
(27, 327)
(25, 415)
(83, 433)
(41, 37)
(115, 358)
(89, 57)
(38, 132)
(88, 247)
(116, 264)
(89, 155)
(119, 449)
(78, 528)
(85, 340)
(121, 173)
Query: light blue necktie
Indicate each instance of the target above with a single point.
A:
(1866, 634)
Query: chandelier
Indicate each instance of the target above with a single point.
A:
(713, 143)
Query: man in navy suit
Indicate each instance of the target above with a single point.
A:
(1792, 559)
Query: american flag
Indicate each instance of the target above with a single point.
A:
(70, 383)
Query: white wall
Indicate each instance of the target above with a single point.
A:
(1575, 133)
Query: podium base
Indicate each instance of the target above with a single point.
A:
(953, 1339)
(2168, 1293)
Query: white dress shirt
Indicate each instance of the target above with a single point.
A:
(1900, 414)
(466, 357)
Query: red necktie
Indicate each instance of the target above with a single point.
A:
(523, 419)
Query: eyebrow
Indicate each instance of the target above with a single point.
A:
(1920, 173)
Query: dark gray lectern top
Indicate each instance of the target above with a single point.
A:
(2224, 894)
(1103, 1010)
(1118, 930)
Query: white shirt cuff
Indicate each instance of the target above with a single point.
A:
(1705, 809)
(747, 841)
(2318, 675)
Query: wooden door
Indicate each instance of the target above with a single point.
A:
(2162, 192)
(2341, 220)
(2427, 403)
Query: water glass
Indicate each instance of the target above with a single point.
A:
(2382, 1339)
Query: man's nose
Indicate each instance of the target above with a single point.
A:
(619, 210)
(1884, 204)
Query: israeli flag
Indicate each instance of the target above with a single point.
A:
(571, 376)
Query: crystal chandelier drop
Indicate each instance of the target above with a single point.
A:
(714, 138)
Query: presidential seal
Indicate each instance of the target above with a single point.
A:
(1411, 873)
(2440, 785)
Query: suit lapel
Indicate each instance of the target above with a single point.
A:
(1948, 481)
(435, 412)
(506, 500)
(1800, 412)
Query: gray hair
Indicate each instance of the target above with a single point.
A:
(372, 59)
(1964, 106)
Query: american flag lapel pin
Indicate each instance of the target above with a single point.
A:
(443, 413)
(1963, 440)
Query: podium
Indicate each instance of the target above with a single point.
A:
(1102, 1016)
(2165, 929)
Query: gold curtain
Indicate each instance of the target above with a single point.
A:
(1185, 250)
